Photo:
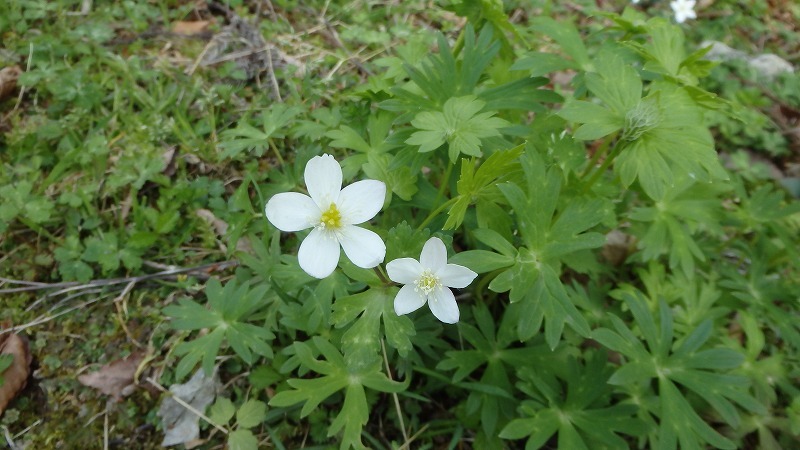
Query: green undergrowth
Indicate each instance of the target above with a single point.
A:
(629, 208)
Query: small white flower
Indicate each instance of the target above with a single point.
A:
(428, 280)
(635, 2)
(683, 9)
(332, 212)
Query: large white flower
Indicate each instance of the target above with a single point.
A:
(683, 9)
(332, 212)
(428, 280)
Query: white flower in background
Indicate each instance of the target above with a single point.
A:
(683, 9)
(428, 280)
(333, 212)
(635, 2)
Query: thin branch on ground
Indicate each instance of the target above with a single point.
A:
(77, 285)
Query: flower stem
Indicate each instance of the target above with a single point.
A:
(382, 275)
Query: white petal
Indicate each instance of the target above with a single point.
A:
(407, 300)
(434, 254)
(404, 270)
(292, 211)
(443, 305)
(323, 178)
(361, 200)
(455, 276)
(365, 248)
(319, 253)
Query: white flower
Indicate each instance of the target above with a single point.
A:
(332, 212)
(428, 280)
(683, 9)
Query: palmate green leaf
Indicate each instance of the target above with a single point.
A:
(572, 400)
(205, 349)
(106, 251)
(337, 376)
(534, 276)
(460, 124)
(687, 207)
(361, 342)
(687, 365)
(70, 265)
(492, 350)
(229, 309)
(677, 139)
(476, 185)
(246, 137)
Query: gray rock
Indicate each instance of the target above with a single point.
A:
(766, 65)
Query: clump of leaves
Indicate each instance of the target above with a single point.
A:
(227, 317)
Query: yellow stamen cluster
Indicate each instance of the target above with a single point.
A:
(331, 218)
(427, 282)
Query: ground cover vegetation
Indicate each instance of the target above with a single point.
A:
(436, 225)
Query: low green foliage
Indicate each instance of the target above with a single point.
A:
(629, 268)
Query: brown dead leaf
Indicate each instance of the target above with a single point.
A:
(116, 377)
(8, 81)
(190, 28)
(15, 377)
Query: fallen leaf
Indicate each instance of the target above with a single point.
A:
(190, 28)
(16, 374)
(8, 80)
(116, 377)
(180, 424)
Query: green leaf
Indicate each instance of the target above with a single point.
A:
(5, 362)
(246, 137)
(616, 83)
(222, 411)
(596, 120)
(481, 261)
(229, 308)
(337, 375)
(242, 440)
(539, 63)
(481, 185)
(460, 124)
(361, 342)
(251, 413)
(678, 137)
(567, 37)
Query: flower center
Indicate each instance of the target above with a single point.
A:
(427, 282)
(331, 218)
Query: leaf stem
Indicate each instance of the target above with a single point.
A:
(444, 182)
(596, 157)
(382, 275)
(602, 169)
(434, 213)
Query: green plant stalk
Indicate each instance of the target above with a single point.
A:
(596, 157)
(442, 186)
(606, 164)
(435, 213)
